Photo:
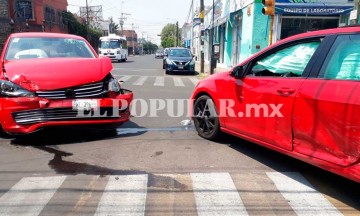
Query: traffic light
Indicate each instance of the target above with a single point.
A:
(269, 8)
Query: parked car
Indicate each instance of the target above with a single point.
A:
(299, 96)
(179, 60)
(159, 54)
(55, 80)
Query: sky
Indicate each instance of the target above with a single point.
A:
(148, 16)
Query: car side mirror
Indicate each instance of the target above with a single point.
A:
(238, 72)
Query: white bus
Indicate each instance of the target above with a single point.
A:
(114, 47)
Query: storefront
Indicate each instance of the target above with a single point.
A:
(293, 18)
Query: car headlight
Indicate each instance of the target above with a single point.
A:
(168, 61)
(114, 86)
(10, 89)
(191, 63)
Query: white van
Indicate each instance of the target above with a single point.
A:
(114, 47)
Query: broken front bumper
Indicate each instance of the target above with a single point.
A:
(26, 115)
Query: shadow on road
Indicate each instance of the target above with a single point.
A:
(333, 185)
(78, 134)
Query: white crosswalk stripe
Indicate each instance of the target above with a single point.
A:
(140, 81)
(178, 82)
(159, 81)
(194, 80)
(302, 197)
(124, 195)
(30, 195)
(205, 193)
(216, 194)
(125, 78)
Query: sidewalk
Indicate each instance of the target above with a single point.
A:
(219, 68)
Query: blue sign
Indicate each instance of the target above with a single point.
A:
(312, 9)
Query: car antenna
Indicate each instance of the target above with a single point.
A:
(4, 70)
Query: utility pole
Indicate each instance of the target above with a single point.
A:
(212, 58)
(133, 40)
(122, 21)
(177, 34)
(202, 57)
(87, 19)
(142, 43)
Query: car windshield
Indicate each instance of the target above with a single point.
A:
(47, 47)
(113, 44)
(179, 53)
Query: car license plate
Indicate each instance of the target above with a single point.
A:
(181, 67)
(84, 104)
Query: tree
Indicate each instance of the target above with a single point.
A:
(168, 36)
(150, 47)
(77, 28)
(113, 26)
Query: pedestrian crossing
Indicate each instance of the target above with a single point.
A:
(188, 194)
(158, 81)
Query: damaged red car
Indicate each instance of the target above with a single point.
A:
(52, 79)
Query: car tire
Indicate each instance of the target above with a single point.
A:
(163, 66)
(205, 118)
(167, 72)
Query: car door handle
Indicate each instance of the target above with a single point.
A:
(286, 91)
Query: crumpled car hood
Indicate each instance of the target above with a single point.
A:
(51, 74)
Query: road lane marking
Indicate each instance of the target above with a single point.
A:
(30, 195)
(301, 195)
(194, 80)
(159, 81)
(216, 194)
(124, 195)
(178, 82)
(140, 81)
(125, 78)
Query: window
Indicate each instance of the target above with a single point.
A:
(180, 53)
(49, 15)
(61, 20)
(343, 61)
(41, 47)
(290, 61)
(24, 9)
(124, 44)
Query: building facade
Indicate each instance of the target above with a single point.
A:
(240, 29)
(38, 15)
(132, 41)
(4, 22)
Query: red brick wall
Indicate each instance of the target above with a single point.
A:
(39, 12)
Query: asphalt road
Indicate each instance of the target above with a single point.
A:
(157, 166)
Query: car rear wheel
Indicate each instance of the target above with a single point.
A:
(205, 118)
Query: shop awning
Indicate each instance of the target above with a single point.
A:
(312, 9)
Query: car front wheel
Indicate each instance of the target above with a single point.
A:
(205, 118)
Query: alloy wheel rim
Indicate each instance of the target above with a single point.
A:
(205, 120)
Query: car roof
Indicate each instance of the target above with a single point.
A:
(342, 30)
(46, 34)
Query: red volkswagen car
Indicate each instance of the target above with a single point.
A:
(300, 96)
(55, 80)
